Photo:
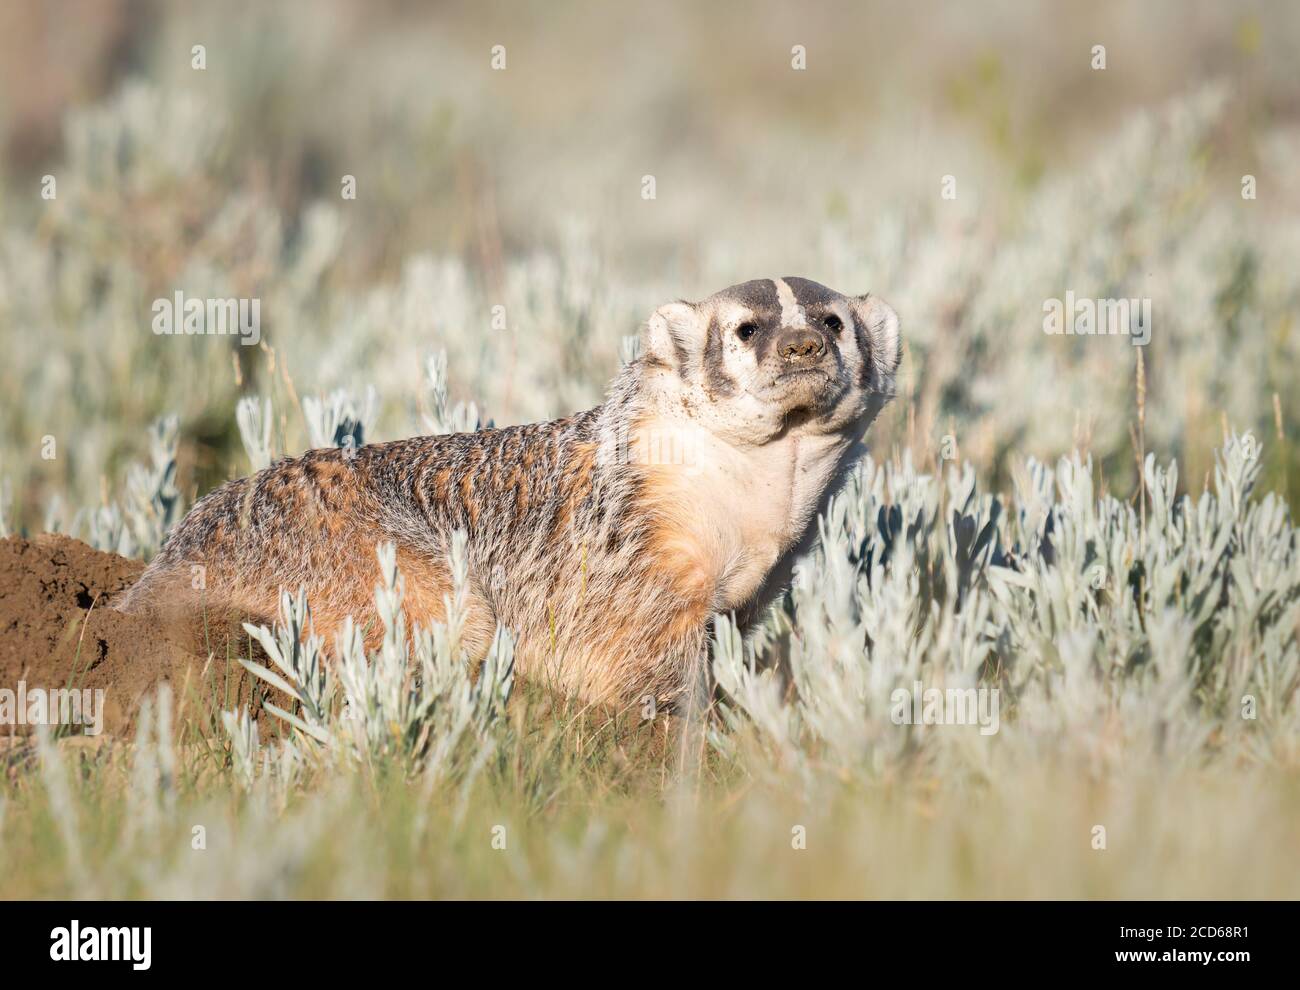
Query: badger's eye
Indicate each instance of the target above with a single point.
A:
(833, 323)
(746, 330)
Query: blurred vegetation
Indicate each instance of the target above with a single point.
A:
(521, 188)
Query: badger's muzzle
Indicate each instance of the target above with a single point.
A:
(800, 348)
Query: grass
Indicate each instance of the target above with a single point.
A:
(594, 815)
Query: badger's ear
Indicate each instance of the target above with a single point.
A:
(673, 337)
(878, 338)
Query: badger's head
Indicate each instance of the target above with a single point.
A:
(759, 359)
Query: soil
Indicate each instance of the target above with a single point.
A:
(58, 629)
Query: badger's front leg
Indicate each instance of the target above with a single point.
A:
(657, 673)
(638, 650)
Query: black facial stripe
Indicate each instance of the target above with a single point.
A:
(758, 294)
(716, 380)
(817, 315)
(682, 355)
(864, 349)
(763, 344)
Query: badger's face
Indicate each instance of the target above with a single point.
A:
(766, 357)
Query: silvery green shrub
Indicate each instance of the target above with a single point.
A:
(413, 702)
(1140, 216)
(1106, 630)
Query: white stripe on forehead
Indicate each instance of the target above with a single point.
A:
(792, 314)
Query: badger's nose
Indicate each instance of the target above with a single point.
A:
(800, 346)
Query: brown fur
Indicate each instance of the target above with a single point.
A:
(605, 559)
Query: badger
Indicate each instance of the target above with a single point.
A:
(604, 542)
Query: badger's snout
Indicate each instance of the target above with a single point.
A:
(801, 347)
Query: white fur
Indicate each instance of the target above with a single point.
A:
(792, 314)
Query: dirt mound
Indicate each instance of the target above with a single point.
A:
(58, 630)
